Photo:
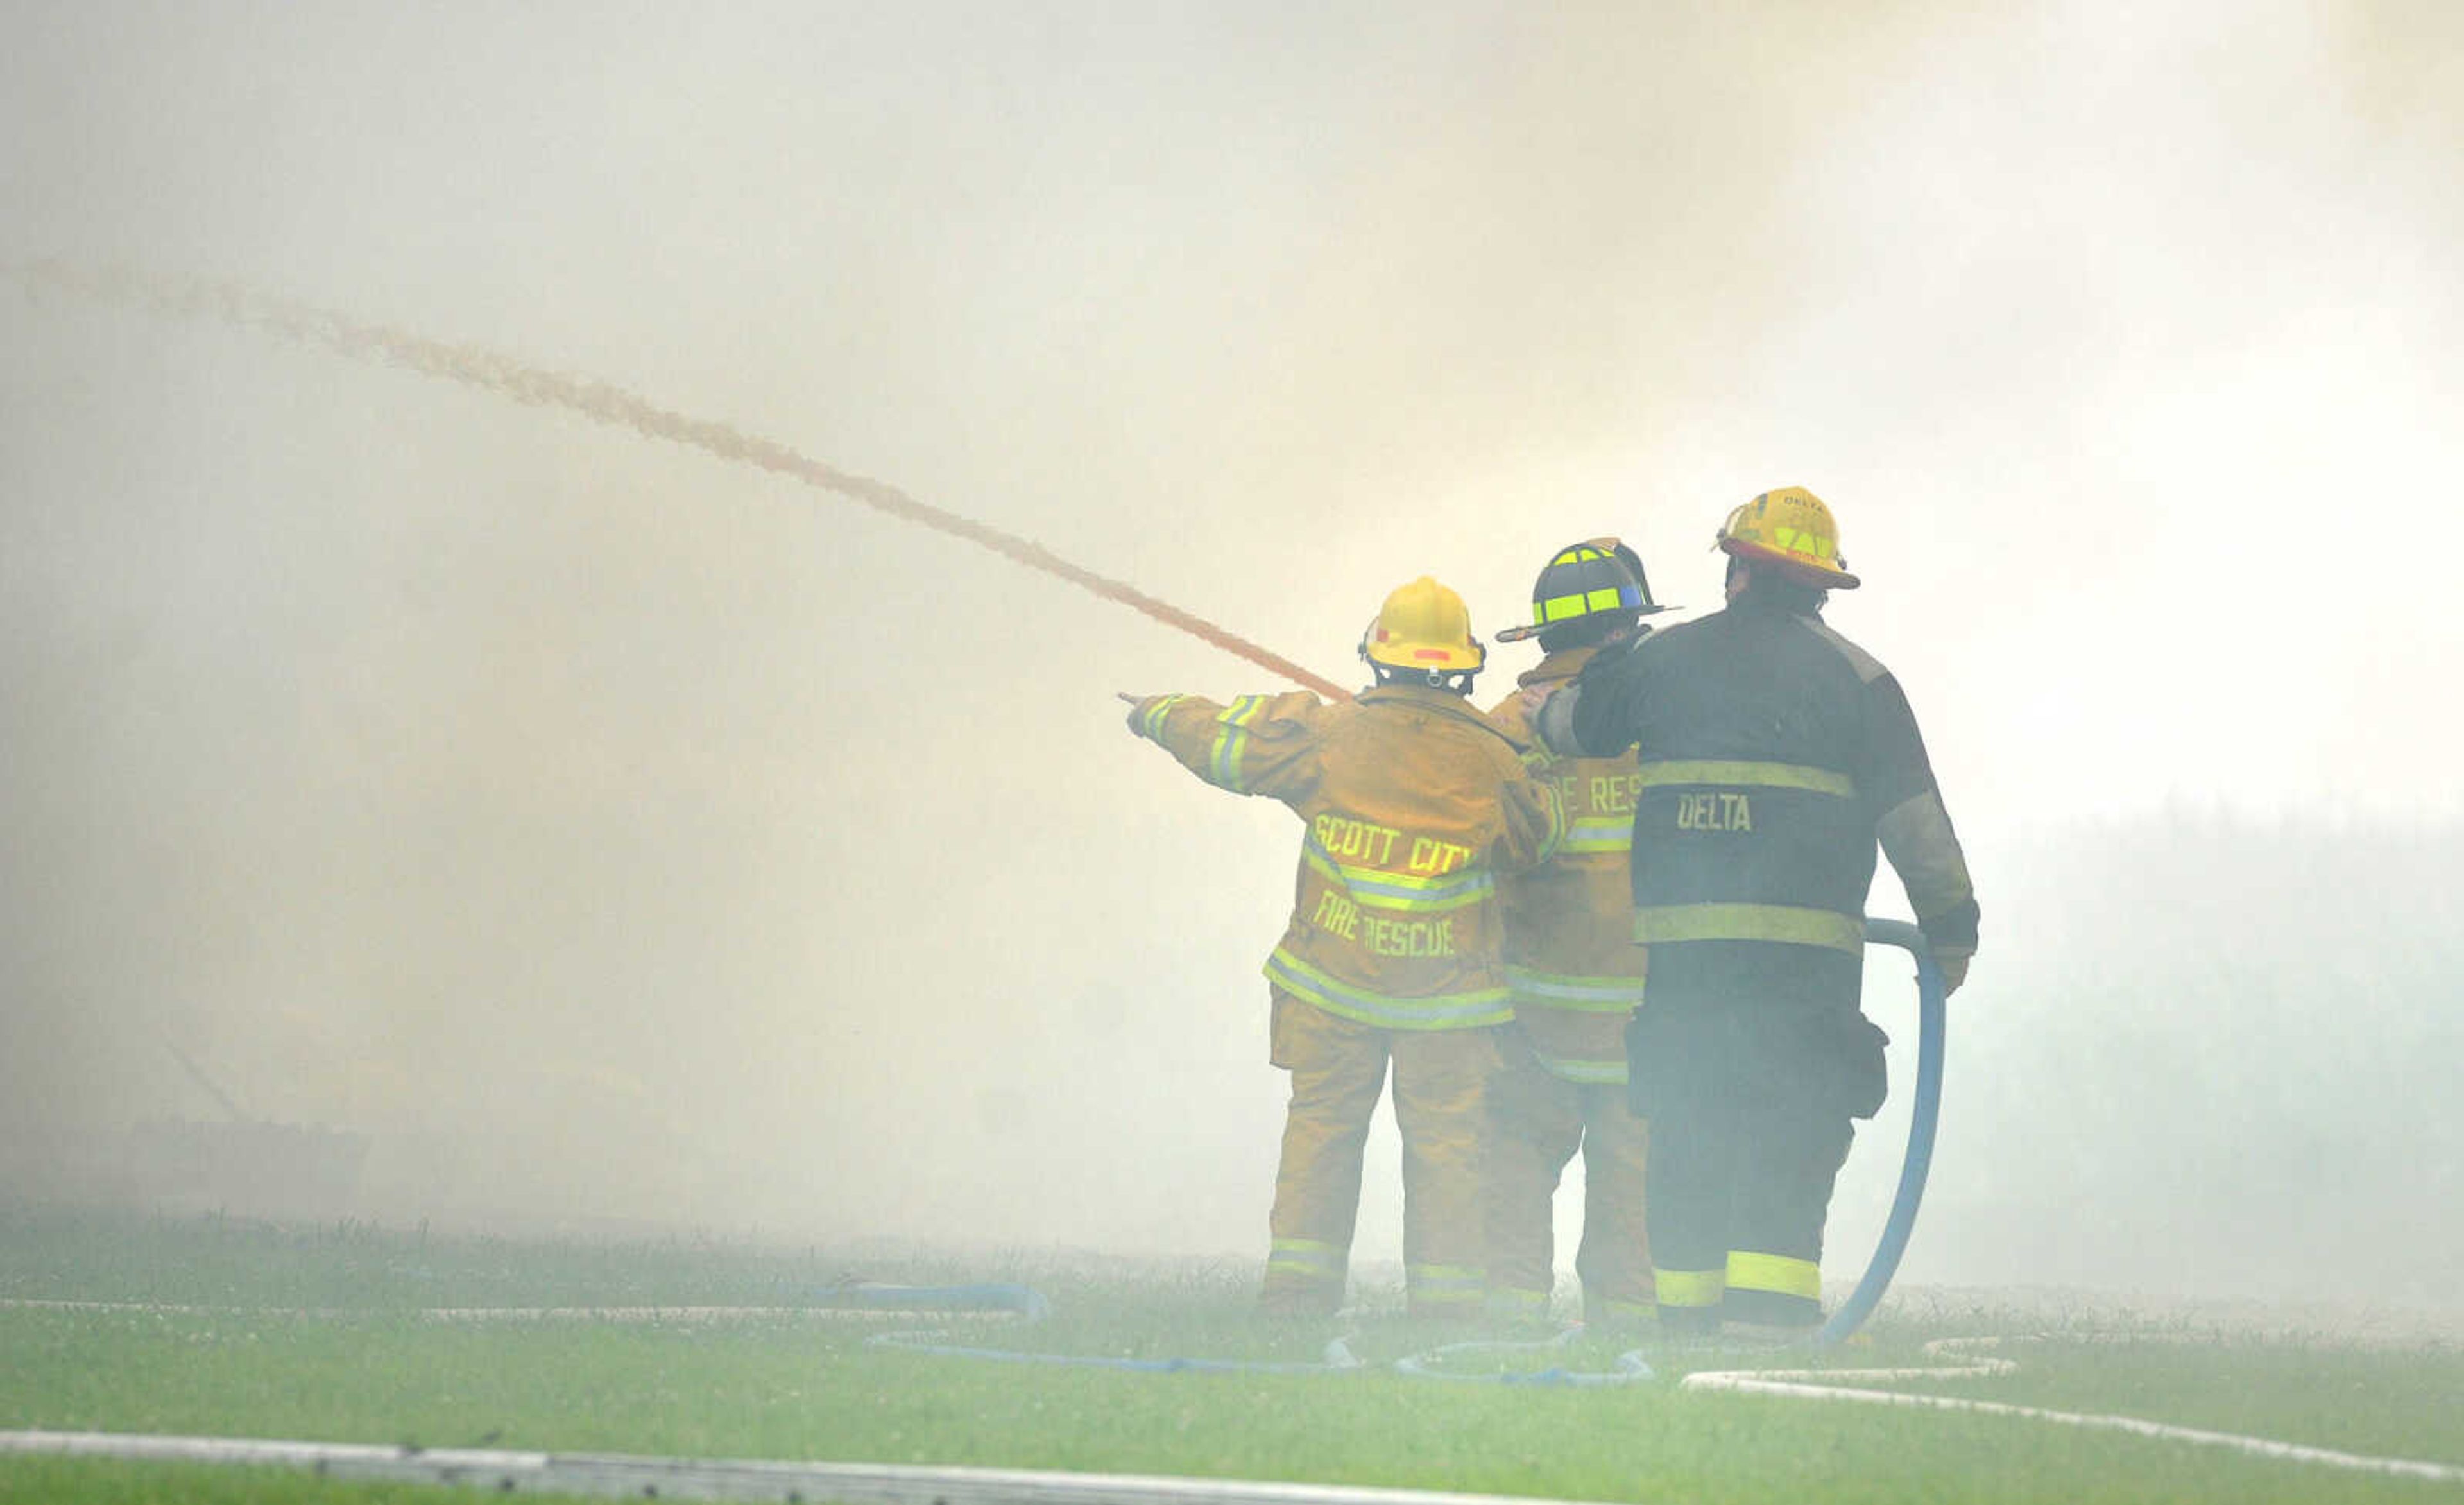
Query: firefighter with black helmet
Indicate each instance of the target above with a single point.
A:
(1775, 756)
(1577, 976)
(1414, 803)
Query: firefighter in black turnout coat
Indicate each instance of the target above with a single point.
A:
(1773, 753)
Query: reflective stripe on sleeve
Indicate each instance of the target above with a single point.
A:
(1777, 1274)
(1747, 774)
(1694, 1287)
(1484, 1005)
(1152, 724)
(1599, 995)
(1230, 741)
(1670, 923)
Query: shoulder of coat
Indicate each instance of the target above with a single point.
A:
(1868, 668)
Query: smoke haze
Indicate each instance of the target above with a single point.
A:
(623, 837)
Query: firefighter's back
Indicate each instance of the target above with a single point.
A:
(1416, 802)
(1749, 831)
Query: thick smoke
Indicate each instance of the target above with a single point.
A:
(618, 839)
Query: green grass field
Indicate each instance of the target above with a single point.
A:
(363, 1363)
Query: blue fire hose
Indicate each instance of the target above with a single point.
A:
(1924, 1113)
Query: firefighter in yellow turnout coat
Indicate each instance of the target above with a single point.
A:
(1577, 976)
(1415, 804)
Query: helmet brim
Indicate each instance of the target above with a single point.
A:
(1804, 571)
(1530, 629)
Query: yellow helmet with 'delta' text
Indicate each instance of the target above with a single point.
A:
(1792, 529)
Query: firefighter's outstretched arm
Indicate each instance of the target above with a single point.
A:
(1257, 744)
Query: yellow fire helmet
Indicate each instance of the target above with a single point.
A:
(1424, 628)
(1792, 529)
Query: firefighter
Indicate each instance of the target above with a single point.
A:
(1413, 804)
(1577, 976)
(1774, 754)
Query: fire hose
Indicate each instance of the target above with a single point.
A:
(1924, 1113)
(1914, 1166)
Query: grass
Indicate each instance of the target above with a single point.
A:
(372, 1369)
(2405, 1403)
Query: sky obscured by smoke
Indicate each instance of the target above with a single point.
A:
(617, 834)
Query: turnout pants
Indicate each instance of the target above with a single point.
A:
(1537, 1120)
(1750, 1109)
(1338, 1072)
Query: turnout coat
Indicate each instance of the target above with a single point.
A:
(1413, 804)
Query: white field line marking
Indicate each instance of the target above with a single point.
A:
(1803, 1383)
(525, 1314)
(1811, 1384)
(723, 1479)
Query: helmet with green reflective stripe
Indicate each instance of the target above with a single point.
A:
(1792, 531)
(1597, 580)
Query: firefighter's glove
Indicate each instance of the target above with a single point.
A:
(1137, 704)
(1955, 971)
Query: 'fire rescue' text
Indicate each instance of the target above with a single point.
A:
(1386, 938)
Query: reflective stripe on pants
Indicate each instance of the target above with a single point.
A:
(1738, 1201)
(1747, 1142)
